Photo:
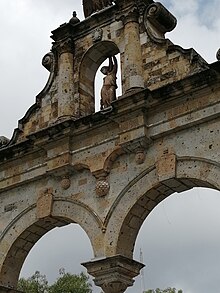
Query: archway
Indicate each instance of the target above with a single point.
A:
(62, 247)
(26, 229)
(91, 61)
(179, 240)
(145, 192)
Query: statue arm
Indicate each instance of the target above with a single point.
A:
(110, 66)
(115, 67)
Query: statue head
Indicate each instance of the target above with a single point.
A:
(104, 70)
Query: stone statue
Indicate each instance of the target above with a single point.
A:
(91, 6)
(108, 91)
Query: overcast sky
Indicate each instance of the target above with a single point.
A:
(180, 239)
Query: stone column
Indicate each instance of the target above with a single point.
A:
(114, 274)
(132, 67)
(66, 106)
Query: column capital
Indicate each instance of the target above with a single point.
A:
(64, 46)
(114, 274)
(130, 14)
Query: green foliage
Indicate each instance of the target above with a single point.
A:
(168, 290)
(34, 284)
(66, 283)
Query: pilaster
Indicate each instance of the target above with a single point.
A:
(65, 52)
(133, 72)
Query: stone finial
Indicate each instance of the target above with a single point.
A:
(74, 20)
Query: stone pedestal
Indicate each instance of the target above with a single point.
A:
(114, 274)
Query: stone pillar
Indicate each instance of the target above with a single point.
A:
(114, 274)
(132, 70)
(66, 106)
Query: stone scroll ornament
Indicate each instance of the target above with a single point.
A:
(92, 6)
(108, 90)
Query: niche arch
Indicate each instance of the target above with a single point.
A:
(145, 192)
(91, 61)
(26, 229)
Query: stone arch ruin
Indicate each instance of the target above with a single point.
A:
(106, 171)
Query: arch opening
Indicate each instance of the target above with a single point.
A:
(179, 241)
(24, 232)
(62, 247)
(142, 208)
(91, 62)
(22, 245)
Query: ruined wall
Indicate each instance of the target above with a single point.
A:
(106, 171)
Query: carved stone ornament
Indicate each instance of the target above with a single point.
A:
(64, 46)
(65, 182)
(158, 21)
(97, 35)
(48, 60)
(102, 187)
(140, 157)
(74, 20)
(129, 15)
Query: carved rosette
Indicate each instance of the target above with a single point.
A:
(65, 182)
(102, 187)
